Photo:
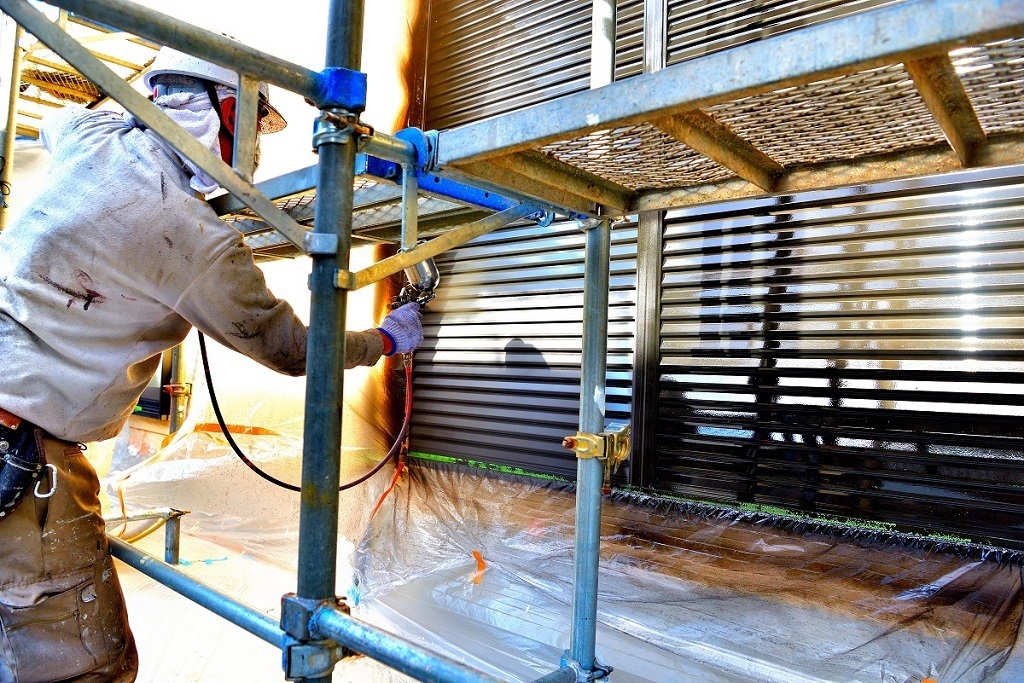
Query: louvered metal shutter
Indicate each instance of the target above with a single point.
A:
(497, 378)
(487, 57)
(698, 27)
(856, 352)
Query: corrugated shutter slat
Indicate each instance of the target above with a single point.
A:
(497, 378)
(488, 57)
(858, 355)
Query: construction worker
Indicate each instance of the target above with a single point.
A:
(117, 258)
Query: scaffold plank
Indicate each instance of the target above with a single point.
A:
(1001, 151)
(942, 91)
(715, 141)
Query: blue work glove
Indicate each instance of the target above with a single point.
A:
(403, 328)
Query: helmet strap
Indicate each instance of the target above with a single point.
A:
(211, 91)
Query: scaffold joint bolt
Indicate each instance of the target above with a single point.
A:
(345, 279)
(600, 672)
(336, 127)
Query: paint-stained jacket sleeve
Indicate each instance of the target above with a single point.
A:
(363, 348)
(230, 302)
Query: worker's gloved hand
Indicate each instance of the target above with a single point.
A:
(403, 328)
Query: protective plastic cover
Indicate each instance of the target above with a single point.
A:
(480, 567)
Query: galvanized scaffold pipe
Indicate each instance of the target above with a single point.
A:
(397, 653)
(321, 453)
(590, 471)
(566, 674)
(389, 147)
(393, 651)
(593, 379)
(11, 123)
(410, 207)
(238, 613)
(214, 47)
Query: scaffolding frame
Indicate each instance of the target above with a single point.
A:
(493, 166)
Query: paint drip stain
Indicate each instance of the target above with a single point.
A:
(85, 292)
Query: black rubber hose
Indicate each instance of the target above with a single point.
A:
(291, 487)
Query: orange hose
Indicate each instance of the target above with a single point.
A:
(399, 468)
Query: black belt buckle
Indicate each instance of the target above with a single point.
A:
(22, 464)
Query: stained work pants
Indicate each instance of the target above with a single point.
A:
(61, 608)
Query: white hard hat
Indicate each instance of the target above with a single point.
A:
(170, 61)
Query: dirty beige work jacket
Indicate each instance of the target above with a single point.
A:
(112, 264)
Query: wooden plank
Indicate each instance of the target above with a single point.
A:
(542, 168)
(501, 178)
(39, 100)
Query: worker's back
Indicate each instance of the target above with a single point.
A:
(108, 267)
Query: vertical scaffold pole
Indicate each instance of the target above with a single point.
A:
(11, 120)
(590, 471)
(318, 517)
(593, 378)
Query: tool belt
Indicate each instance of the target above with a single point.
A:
(22, 461)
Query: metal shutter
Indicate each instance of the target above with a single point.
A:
(497, 377)
(698, 27)
(856, 352)
(487, 57)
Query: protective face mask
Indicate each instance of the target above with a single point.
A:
(193, 112)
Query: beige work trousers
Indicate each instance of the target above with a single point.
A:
(61, 608)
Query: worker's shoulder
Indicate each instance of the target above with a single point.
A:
(65, 124)
(183, 206)
(71, 118)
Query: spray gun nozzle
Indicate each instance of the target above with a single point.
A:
(422, 280)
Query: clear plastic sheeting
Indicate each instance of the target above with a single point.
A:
(181, 642)
(228, 503)
(480, 567)
(241, 537)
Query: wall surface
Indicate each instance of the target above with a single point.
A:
(851, 352)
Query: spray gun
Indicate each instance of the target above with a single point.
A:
(421, 282)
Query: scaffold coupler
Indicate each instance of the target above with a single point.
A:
(308, 654)
(612, 446)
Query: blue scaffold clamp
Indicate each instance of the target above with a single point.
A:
(341, 88)
(425, 143)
